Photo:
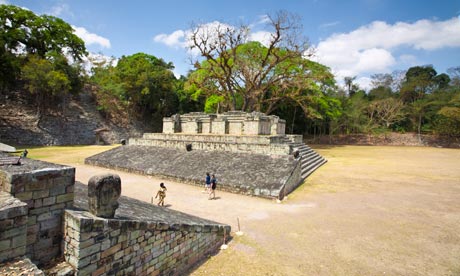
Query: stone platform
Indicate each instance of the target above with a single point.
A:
(248, 152)
(269, 176)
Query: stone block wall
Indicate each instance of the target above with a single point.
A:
(272, 145)
(47, 189)
(13, 227)
(293, 181)
(232, 122)
(128, 247)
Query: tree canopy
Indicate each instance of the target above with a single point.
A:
(250, 76)
(25, 35)
(23, 31)
(142, 83)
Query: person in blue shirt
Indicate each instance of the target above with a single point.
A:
(207, 185)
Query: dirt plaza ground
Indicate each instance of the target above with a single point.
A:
(368, 211)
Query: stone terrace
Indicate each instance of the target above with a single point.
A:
(246, 173)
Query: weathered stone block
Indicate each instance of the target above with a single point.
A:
(17, 231)
(40, 194)
(5, 245)
(64, 198)
(103, 194)
(19, 241)
(90, 250)
(49, 201)
(57, 190)
(111, 251)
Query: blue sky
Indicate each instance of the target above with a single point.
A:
(354, 37)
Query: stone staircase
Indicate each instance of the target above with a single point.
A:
(310, 159)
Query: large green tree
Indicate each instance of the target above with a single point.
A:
(142, 83)
(23, 33)
(44, 81)
(250, 76)
(22, 30)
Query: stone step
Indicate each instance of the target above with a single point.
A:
(306, 151)
(312, 168)
(309, 155)
(310, 161)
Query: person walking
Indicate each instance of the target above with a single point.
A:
(212, 193)
(161, 194)
(207, 183)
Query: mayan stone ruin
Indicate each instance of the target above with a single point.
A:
(249, 152)
(46, 217)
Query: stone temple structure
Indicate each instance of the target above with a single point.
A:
(248, 152)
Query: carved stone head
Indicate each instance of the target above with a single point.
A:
(103, 193)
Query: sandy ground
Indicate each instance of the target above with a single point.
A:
(368, 211)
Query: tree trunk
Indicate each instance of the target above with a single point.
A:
(293, 120)
(419, 128)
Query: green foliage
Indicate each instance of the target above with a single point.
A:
(37, 34)
(212, 104)
(420, 80)
(44, 81)
(141, 83)
(32, 42)
(262, 81)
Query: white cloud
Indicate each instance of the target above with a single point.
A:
(4, 2)
(263, 37)
(364, 83)
(369, 49)
(94, 60)
(176, 39)
(90, 38)
(181, 38)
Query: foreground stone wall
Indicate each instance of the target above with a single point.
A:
(125, 247)
(142, 239)
(47, 189)
(13, 227)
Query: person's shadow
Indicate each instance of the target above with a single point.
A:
(216, 198)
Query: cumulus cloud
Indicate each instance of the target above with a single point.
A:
(90, 38)
(370, 48)
(175, 39)
(180, 38)
(97, 59)
(263, 37)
